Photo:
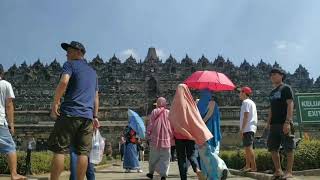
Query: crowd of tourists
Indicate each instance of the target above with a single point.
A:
(190, 125)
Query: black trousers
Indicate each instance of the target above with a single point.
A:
(28, 163)
(173, 153)
(121, 151)
(186, 150)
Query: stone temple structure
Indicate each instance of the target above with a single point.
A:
(136, 84)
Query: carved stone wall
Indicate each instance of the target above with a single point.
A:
(127, 84)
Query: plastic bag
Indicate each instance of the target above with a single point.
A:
(97, 150)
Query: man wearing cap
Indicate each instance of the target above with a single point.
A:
(77, 114)
(7, 144)
(248, 127)
(280, 122)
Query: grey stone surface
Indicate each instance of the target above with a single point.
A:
(300, 175)
(116, 172)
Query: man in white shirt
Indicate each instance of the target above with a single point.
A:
(248, 127)
(7, 145)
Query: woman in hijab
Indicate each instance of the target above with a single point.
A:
(186, 120)
(209, 111)
(189, 129)
(161, 138)
(130, 157)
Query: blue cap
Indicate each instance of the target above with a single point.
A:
(74, 45)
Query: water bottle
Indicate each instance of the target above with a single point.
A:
(95, 153)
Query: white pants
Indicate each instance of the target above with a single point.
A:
(159, 160)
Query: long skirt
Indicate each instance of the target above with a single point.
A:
(130, 157)
(211, 164)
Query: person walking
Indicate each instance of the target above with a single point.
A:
(210, 114)
(160, 133)
(130, 157)
(90, 175)
(75, 116)
(186, 120)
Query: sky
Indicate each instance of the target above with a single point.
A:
(286, 31)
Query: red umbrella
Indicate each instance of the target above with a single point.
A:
(211, 80)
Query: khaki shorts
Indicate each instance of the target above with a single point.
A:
(71, 131)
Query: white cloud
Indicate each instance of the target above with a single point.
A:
(289, 54)
(161, 54)
(127, 53)
(287, 45)
(281, 44)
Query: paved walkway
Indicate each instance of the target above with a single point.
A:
(115, 172)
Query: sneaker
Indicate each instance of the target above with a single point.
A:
(163, 178)
(224, 174)
(150, 176)
(139, 171)
(127, 171)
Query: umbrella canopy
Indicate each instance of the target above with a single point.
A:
(211, 80)
(136, 123)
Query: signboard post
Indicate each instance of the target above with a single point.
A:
(308, 109)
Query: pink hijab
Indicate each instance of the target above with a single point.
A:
(185, 118)
(159, 128)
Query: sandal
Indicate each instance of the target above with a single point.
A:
(242, 169)
(287, 176)
(245, 169)
(253, 170)
(277, 177)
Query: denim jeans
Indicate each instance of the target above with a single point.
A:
(7, 144)
(73, 167)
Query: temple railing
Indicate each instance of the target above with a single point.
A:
(120, 114)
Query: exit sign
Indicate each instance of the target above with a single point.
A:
(308, 107)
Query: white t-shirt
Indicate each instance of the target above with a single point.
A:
(6, 92)
(249, 106)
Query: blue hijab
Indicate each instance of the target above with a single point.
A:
(213, 122)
